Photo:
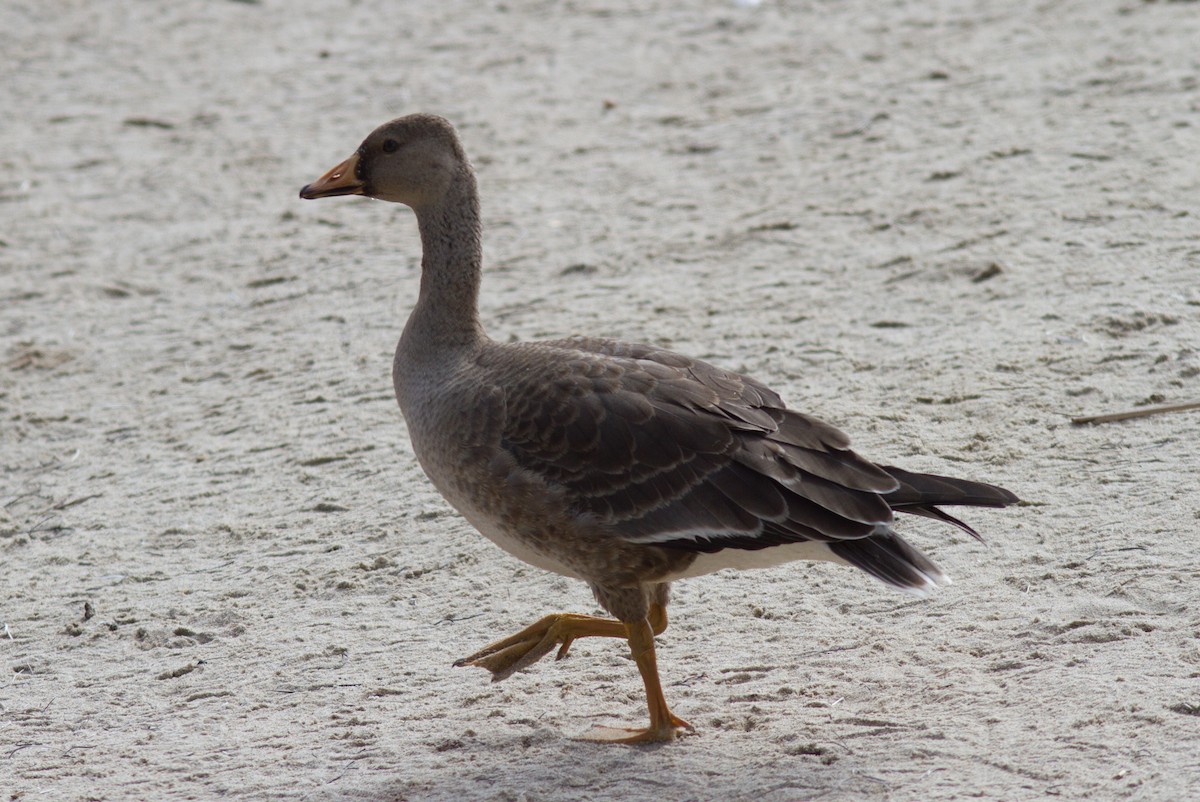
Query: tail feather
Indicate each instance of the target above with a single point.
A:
(890, 558)
(942, 515)
(927, 490)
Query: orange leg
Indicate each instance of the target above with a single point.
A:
(658, 623)
(664, 725)
(505, 657)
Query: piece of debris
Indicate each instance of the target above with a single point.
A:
(991, 271)
(1136, 413)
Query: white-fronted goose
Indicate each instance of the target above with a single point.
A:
(620, 464)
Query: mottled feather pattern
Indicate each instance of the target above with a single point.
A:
(660, 449)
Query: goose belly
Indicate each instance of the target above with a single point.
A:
(517, 546)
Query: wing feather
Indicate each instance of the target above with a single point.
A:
(661, 449)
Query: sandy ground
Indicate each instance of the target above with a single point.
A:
(945, 226)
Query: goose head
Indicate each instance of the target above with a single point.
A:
(414, 160)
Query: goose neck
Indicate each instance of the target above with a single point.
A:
(451, 266)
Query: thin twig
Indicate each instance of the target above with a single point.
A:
(19, 747)
(74, 502)
(1137, 413)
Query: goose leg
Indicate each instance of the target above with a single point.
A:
(508, 656)
(664, 725)
(658, 623)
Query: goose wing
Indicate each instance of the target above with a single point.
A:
(662, 449)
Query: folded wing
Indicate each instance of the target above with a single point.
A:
(664, 450)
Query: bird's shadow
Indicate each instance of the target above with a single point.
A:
(546, 765)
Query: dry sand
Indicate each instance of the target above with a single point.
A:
(945, 226)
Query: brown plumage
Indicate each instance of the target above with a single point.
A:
(621, 464)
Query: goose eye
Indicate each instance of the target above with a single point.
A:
(390, 146)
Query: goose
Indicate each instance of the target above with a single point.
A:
(625, 465)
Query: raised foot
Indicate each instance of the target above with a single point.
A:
(667, 731)
(506, 657)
